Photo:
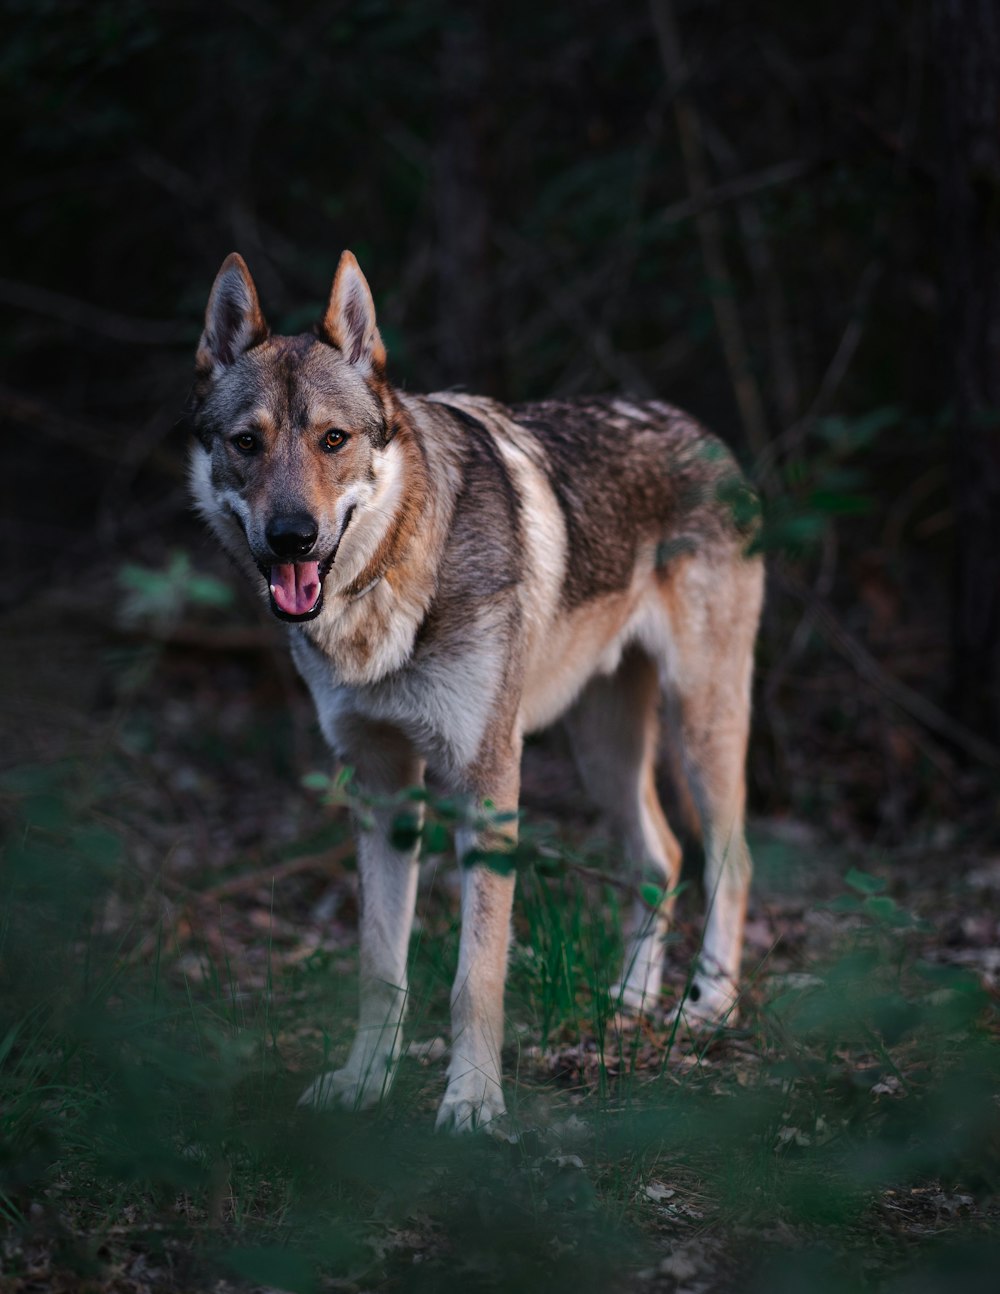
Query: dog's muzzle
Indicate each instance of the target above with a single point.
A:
(296, 582)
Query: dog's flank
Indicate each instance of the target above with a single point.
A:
(457, 574)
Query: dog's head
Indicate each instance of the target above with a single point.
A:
(294, 459)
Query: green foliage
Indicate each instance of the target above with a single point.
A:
(829, 477)
(419, 818)
(123, 1083)
(869, 901)
(161, 597)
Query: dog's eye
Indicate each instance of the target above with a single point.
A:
(333, 439)
(246, 442)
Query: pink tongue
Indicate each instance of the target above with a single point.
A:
(295, 587)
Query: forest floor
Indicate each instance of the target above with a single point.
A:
(178, 959)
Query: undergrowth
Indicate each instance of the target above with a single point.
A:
(144, 1109)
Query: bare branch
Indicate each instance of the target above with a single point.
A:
(709, 227)
(567, 305)
(899, 693)
(743, 186)
(91, 318)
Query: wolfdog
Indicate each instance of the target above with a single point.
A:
(456, 574)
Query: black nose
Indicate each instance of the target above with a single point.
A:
(292, 535)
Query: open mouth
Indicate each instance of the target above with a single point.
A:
(296, 588)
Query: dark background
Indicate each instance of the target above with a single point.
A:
(783, 217)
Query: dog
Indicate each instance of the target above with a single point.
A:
(456, 574)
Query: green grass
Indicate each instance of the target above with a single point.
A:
(148, 1101)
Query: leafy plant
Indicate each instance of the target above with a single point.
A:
(161, 597)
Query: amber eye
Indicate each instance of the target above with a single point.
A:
(333, 439)
(246, 442)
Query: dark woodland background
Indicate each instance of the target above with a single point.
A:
(785, 218)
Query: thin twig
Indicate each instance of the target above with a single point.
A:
(784, 378)
(836, 371)
(709, 227)
(899, 693)
(28, 411)
(91, 318)
(326, 861)
(622, 883)
(849, 341)
(733, 190)
(567, 305)
(200, 900)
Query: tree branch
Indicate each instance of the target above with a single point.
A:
(91, 318)
(709, 227)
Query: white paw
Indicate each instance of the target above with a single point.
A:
(632, 1001)
(348, 1088)
(710, 1003)
(470, 1104)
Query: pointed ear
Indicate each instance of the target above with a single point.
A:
(233, 320)
(349, 322)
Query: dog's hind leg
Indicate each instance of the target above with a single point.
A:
(384, 764)
(613, 728)
(714, 610)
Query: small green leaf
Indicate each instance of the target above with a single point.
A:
(888, 911)
(864, 882)
(162, 595)
(503, 862)
(210, 592)
(844, 903)
(652, 895)
(405, 832)
(743, 502)
(882, 908)
(316, 781)
(847, 434)
(436, 838)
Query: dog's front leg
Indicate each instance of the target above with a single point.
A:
(474, 1095)
(387, 897)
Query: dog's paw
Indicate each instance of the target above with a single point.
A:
(348, 1089)
(631, 1004)
(710, 1003)
(467, 1107)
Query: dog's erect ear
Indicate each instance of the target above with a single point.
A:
(349, 322)
(233, 320)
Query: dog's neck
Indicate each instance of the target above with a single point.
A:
(369, 625)
(403, 505)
